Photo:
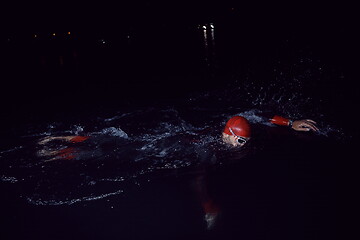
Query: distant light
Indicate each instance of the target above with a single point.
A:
(68, 33)
(35, 36)
(212, 25)
(54, 34)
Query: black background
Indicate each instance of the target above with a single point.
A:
(117, 75)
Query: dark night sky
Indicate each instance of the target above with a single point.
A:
(329, 23)
(97, 14)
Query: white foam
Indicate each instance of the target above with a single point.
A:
(11, 150)
(72, 201)
(8, 179)
(253, 116)
(116, 117)
(77, 129)
(116, 132)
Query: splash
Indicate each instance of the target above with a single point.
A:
(254, 117)
(11, 150)
(116, 132)
(110, 159)
(133, 145)
(9, 179)
(72, 201)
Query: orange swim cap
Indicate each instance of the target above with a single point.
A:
(240, 126)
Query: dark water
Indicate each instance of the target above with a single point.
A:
(155, 102)
(154, 181)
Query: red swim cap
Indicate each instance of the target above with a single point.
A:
(240, 126)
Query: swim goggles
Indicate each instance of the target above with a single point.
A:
(239, 139)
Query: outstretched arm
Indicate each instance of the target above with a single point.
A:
(298, 125)
(73, 139)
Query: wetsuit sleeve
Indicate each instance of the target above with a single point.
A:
(67, 153)
(277, 120)
(78, 139)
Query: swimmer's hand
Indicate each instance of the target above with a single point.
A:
(304, 125)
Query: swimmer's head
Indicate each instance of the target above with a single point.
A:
(237, 131)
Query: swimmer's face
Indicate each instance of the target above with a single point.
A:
(234, 140)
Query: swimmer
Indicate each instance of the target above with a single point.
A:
(237, 131)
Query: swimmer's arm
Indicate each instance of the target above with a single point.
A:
(73, 139)
(298, 125)
(49, 139)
